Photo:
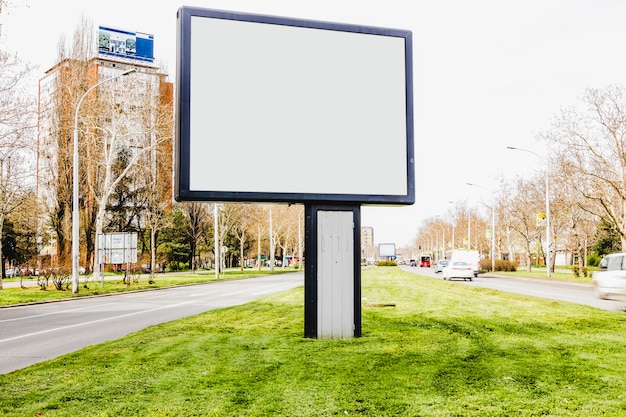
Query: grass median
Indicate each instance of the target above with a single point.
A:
(115, 284)
(429, 348)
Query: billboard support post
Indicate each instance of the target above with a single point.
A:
(332, 275)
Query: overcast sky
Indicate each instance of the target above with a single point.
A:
(487, 74)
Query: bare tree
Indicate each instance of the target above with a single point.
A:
(119, 126)
(228, 217)
(285, 229)
(579, 226)
(589, 142)
(245, 227)
(159, 174)
(16, 128)
(521, 214)
(60, 90)
(197, 219)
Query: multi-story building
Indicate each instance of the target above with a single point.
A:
(126, 121)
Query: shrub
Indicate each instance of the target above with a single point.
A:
(507, 266)
(577, 272)
(386, 263)
(501, 265)
(593, 259)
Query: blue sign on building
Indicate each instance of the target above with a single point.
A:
(124, 44)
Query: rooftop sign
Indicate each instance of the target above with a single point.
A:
(123, 44)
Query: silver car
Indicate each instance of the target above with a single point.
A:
(441, 263)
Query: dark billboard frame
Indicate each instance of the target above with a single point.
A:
(387, 159)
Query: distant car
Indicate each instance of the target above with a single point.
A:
(442, 263)
(424, 261)
(413, 263)
(458, 269)
(610, 281)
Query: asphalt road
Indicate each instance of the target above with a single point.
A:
(35, 333)
(554, 290)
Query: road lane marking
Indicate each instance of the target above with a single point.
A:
(53, 313)
(92, 322)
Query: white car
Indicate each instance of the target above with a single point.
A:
(611, 279)
(458, 269)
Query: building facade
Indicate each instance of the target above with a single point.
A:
(125, 129)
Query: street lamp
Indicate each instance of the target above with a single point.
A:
(443, 240)
(453, 226)
(548, 258)
(75, 222)
(493, 228)
(216, 240)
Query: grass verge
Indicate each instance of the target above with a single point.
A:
(443, 350)
(30, 293)
(541, 274)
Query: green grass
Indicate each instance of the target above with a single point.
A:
(444, 350)
(540, 273)
(30, 294)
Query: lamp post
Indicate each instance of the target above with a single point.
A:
(548, 257)
(443, 239)
(493, 228)
(453, 227)
(216, 240)
(75, 222)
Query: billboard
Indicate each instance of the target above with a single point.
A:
(387, 250)
(274, 109)
(123, 44)
(117, 248)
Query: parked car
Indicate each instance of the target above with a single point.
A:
(11, 272)
(611, 279)
(458, 269)
(441, 263)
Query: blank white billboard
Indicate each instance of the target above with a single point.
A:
(276, 109)
(386, 250)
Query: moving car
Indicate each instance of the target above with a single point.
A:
(458, 269)
(441, 263)
(425, 261)
(471, 256)
(611, 279)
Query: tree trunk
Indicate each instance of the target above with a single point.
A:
(152, 252)
(96, 264)
(258, 247)
(1, 257)
(241, 242)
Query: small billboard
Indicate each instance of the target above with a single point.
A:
(387, 250)
(274, 109)
(124, 44)
(117, 248)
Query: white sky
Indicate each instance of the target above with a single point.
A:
(487, 74)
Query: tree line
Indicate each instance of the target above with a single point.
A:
(585, 153)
